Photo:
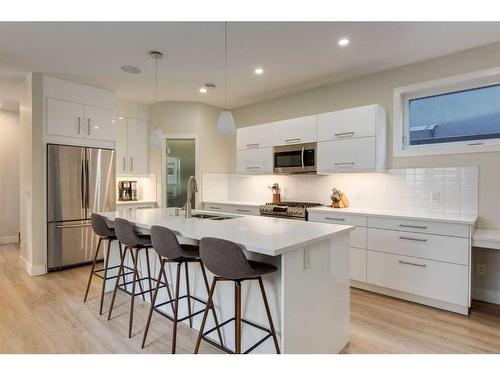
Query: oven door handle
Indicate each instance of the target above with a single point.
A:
(302, 156)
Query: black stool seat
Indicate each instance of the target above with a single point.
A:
(228, 262)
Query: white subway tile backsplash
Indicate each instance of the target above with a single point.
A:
(439, 190)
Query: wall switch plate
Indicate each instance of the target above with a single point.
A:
(307, 259)
(435, 196)
(481, 269)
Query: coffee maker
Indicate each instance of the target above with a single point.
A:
(127, 190)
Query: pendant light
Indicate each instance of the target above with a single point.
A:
(156, 137)
(225, 124)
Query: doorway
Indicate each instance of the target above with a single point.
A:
(180, 165)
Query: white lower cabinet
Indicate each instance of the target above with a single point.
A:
(426, 278)
(258, 161)
(358, 264)
(425, 261)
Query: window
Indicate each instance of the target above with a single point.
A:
(454, 115)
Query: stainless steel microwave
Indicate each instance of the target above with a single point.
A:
(298, 158)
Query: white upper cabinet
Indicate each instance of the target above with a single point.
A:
(352, 140)
(132, 147)
(99, 123)
(251, 137)
(258, 161)
(64, 118)
(297, 130)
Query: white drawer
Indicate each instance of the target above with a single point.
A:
(427, 278)
(229, 208)
(358, 264)
(337, 218)
(420, 226)
(428, 246)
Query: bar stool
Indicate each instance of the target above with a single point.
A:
(226, 260)
(169, 250)
(106, 233)
(134, 244)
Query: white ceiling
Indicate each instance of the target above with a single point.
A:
(295, 55)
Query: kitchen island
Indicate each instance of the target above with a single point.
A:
(308, 296)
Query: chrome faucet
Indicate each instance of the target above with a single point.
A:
(192, 187)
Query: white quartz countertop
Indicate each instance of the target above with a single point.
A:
(427, 216)
(236, 203)
(263, 235)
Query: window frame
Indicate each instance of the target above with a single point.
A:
(402, 96)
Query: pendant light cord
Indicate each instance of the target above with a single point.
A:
(156, 79)
(225, 65)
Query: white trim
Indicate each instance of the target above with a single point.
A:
(486, 295)
(9, 239)
(197, 198)
(32, 270)
(402, 95)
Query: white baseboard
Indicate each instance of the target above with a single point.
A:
(8, 239)
(32, 270)
(486, 295)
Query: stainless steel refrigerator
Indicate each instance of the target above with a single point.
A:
(80, 181)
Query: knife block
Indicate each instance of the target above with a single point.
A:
(276, 198)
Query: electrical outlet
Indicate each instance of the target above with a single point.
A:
(481, 269)
(435, 196)
(307, 259)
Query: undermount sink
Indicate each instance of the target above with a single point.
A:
(211, 217)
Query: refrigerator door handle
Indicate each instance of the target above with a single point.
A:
(87, 185)
(82, 182)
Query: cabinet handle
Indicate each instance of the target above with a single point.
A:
(412, 264)
(242, 210)
(79, 125)
(292, 140)
(413, 239)
(412, 226)
(88, 126)
(252, 144)
(345, 164)
(214, 208)
(73, 226)
(131, 163)
(124, 163)
(334, 218)
(252, 168)
(143, 207)
(343, 134)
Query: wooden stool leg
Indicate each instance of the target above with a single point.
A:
(122, 255)
(153, 302)
(92, 269)
(106, 263)
(205, 314)
(269, 317)
(120, 271)
(148, 267)
(136, 263)
(237, 314)
(188, 294)
(176, 312)
(216, 321)
(167, 286)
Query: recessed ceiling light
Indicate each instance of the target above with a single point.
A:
(130, 69)
(203, 90)
(208, 86)
(259, 71)
(121, 118)
(343, 42)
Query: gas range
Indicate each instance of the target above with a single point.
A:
(289, 210)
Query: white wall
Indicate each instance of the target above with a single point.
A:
(9, 176)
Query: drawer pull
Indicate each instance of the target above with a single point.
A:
(252, 144)
(412, 264)
(73, 226)
(143, 207)
(242, 210)
(412, 226)
(334, 218)
(291, 140)
(412, 239)
(252, 168)
(214, 208)
(343, 134)
(345, 164)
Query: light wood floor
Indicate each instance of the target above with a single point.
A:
(46, 314)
